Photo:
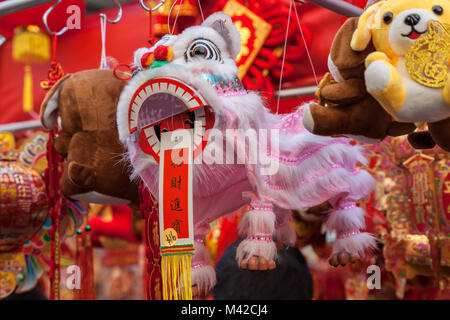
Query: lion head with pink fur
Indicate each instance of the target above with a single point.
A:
(190, 81)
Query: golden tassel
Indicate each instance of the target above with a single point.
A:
(176, 272)
(28, 89)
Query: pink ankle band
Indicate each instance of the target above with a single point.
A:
(348, 234)
(260, 237)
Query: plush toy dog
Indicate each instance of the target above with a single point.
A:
(346, 108)
(85, 102)
(394, 26)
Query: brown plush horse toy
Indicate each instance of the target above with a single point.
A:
(84, 106)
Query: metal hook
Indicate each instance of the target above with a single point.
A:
(159, 5)
(119, 15)
(44, 19)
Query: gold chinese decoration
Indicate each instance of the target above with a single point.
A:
(169, 237)
(426, 60)
(254, 31)
(30, 45)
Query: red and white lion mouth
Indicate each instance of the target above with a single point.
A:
(168, 104)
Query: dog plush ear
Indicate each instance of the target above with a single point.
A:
(363, 34)
(223, 25)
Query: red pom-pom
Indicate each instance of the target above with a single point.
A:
(147, 59)
(163, 53)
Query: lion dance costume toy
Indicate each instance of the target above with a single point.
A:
(180, 112)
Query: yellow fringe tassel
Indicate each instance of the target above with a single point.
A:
(28, 89)
(176, 277)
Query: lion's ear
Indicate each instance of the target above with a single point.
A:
(223, 25)
(363, 33)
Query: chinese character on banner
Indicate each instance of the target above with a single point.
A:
(176, 187)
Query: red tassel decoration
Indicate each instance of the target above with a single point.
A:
(88, 286)
(149, 211)
(52, 177)
(79, 257)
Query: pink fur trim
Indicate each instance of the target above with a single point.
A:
(336, 182)
(357, 244)
(259, 226)
(249, 248)
(257, 222)
(296, 161)
(204, 277)
(347, 219)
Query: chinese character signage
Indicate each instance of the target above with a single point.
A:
(175, 188)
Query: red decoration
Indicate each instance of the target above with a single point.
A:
(268, 64)
(149, 211)
(120, 226)
(23, 204)
(52, 178)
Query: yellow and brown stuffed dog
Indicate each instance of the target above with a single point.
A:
(345, 107)
(85, 104)
(394, 26)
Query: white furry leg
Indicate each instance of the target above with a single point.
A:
(378, 76)
(203, 275)
(259, 226)
(354, 242)
(351, 244)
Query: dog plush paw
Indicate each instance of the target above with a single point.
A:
(378, 76)
(376, 56)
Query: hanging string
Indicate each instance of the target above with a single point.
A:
(201, 11)
(284, 56)
(170, 13)
(306, 46)
(176, 18)
(103, 63)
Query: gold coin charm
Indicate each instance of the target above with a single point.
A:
(426, 60)
(170, 237)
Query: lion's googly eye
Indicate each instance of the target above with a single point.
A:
(203, 49)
